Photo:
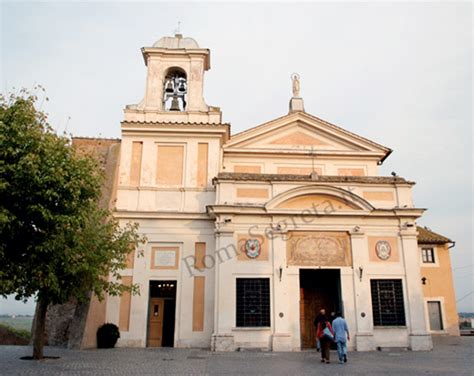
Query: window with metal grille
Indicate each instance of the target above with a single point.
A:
(253, 302)
(387, 302)
(427, 255)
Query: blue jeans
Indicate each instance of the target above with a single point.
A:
(341, 349)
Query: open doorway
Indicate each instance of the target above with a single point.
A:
(320, 288)
(161, 314)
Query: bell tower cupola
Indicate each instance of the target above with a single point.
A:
(175, 84)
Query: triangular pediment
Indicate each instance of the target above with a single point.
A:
(298, 138)
(300, 132)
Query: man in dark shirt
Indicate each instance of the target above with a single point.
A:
(320, 317)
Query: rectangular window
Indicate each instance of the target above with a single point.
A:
(427, 255)
(387, 302)
(253, 302)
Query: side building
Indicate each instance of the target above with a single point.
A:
(437, 281)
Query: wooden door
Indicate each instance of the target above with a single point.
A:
(311, 301)
(310, 304)
(155, 322)
(306, 324)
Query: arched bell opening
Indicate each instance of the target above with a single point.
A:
(175, 89)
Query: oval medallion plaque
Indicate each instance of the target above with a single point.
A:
(383, 249)
(252, 248)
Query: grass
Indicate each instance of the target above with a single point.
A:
(17, 323)
(26, 334)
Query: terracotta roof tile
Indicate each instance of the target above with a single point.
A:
(426, 236)
(173, 123)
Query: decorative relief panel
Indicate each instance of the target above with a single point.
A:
(318, 249)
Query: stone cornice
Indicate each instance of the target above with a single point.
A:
(205, 53)
(271, 178)
(125, 214)
(320, 153)
(411, 213)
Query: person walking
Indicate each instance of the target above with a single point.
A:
(321, 317)
(341, 336)
(325, 335)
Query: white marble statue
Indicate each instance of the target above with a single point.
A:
(296, 85)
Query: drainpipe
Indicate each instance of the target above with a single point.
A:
(396, 192)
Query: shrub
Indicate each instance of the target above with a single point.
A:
(107, 336)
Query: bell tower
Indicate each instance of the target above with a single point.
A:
(174, 85)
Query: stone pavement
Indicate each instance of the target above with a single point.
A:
(451, 356)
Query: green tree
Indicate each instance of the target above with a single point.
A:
(56, 242)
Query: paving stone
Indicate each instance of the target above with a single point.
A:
(451, 355)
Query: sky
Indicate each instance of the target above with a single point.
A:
(399, 74)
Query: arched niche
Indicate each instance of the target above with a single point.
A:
(319, 199)
(175, 89)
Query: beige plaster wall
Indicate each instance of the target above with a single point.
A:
(439, 287)
(195, 297)
(301, 165)
(178, 178)
(385, 196)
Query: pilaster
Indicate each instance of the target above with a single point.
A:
(364, 339)
(281, 338)
(226, 251)
(419, 338)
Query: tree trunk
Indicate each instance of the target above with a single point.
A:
(38, 342)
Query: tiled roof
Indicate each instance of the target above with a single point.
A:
(173, 123)
(426, 236)
(319, 178)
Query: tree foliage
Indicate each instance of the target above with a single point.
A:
(56, 243)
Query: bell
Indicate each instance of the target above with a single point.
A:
(169, 87)
(175, 104)
(182, 87)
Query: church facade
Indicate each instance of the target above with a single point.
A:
(249, 235)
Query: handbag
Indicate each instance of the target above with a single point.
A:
(327, 334)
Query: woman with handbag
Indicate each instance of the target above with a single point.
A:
(325, 335)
